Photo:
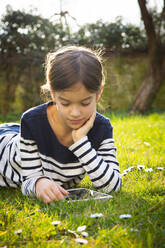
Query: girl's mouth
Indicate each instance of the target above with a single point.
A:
(75, 121)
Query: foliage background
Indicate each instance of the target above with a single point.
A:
(25, 39)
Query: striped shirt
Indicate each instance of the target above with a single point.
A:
(36, 152)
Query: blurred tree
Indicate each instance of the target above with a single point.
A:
(112, 36)
(154, 23)
(24, 40)
(100, 35)
(134, 39)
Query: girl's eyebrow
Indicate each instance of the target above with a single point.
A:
(85, 99)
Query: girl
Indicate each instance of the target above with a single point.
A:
(60, 141)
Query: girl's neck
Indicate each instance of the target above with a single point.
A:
(61, 131)
(56, 121)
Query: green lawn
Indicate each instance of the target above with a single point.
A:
(140, 140)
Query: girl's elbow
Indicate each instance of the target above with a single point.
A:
(114, 185)
(118, 187)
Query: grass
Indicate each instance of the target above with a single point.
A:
(140, 140)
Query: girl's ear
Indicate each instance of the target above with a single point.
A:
(99, 93)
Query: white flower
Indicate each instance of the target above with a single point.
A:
(85, 234)
(96, 215)
(149, 170)
(56, 222)
(125, 216)
(131, 168)
(81, 228)
(18, 231)
(140, 167)
(134, 230)
(146, 143)
(81, 241)
(123, 174)
(160, 168)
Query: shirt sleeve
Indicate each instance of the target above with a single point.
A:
(30, 160)
(101, 165)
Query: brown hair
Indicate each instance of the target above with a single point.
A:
(70, 65)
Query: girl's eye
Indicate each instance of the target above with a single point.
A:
(85, 104)
(65, 104)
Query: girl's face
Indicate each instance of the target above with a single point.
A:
(75, 105)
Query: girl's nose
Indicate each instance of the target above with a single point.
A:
(75, 112)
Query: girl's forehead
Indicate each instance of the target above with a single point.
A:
(76, 87)
(78, 90)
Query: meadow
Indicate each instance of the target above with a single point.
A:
(140, 140)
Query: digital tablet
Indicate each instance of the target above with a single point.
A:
(83, 194)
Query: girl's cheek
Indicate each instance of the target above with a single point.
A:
(90, 111)
(93, 107)
(61, 110)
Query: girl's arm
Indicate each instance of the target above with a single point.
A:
(31, 166)
(35, 183)
(101, 166)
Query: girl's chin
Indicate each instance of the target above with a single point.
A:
(76, 126)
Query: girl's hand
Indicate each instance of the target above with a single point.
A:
(49, 191)
(77, 134)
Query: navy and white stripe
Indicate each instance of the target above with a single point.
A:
(102, 168)
(10, 162)
(36, 153)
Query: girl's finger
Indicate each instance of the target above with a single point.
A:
(45, 199)
(45, 196)
(57, 193)
(51, 195)
(91, 119)
(63, 191)
(94, 115)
